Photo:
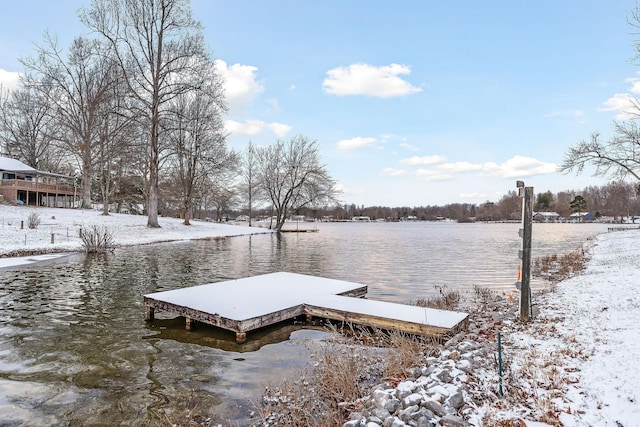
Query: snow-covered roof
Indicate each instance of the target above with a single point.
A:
(547, 214)
(14, 165)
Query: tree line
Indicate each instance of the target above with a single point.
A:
(615, 200)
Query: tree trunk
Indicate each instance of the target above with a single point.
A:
(86, 184)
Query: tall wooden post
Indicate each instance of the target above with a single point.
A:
(525, 288)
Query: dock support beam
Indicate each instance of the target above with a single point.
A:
(189, 323)
(241, 337)
(149, 314)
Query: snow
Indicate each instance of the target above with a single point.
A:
(588, 328)
(65, 224)
(588, 332)
(252, 297)
(13, 165)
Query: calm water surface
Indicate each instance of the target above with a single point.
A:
(75, 349)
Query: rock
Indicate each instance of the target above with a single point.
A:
(393, 422)
(453, 421)
(374, 421)
(444, 376)
(424, 422)
(404, 389)
(354, 423)
(412, 399)
(380, 413)
(392, 405)
(405, 414)
(456, 401)
(434, 407)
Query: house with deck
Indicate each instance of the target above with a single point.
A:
(23, 185)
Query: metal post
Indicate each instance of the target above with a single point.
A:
(500, 365)
(527, 220)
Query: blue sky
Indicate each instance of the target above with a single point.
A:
(413, 102)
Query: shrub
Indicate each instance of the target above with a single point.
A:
(447, 300)
(33, 220)
(556, 268)
(97, 239)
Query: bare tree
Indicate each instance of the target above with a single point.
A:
(250, 188)
(292, 177)
(197, 142)
(114, 148)
(618, 158)
(78, 89)
(26, 128)
(159, 47)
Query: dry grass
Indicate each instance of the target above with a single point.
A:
(342, 371)
(446, 300)
(556, 268)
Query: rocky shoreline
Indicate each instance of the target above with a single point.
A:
(451, 388)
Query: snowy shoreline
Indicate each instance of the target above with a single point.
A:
(58, 230)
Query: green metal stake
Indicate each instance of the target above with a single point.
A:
(500, 365)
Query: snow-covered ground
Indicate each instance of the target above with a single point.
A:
(17, 238)
(579, 357)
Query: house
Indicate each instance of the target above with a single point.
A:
(546, 216)
(21, 184)
(582, 217)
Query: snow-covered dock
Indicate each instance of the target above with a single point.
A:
(247, 304)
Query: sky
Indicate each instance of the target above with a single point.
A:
(412, 103)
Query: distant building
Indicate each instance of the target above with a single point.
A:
(582, 216)
(546, 216)
(23, 185)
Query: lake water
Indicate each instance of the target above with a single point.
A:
(75, 349)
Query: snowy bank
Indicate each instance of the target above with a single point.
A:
(574, 365)
(63, 225)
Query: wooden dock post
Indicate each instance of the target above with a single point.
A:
(525, 288)
(149, 314)
(241, 337)
(189, 323)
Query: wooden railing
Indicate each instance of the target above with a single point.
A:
(21, 184)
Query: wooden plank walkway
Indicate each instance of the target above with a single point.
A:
(247, 304)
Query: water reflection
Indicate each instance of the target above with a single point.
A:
(75, 349)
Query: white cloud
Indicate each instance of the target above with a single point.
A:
(409, 147)
(394, 172)
(9, 79)
(240, 84)
(624, 103)
(424, 160)
(256, 127)
(566, 113)
(520, 166)
(432, 175)
(459, 167)
(365, 79)
(515, 167)
(635, 84)
(279, 129)
(355, 143)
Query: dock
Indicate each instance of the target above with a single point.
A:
(244, 305)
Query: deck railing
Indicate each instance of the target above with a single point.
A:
(21, 184)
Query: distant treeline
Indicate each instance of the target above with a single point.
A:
(618, 199)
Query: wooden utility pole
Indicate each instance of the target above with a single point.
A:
(525, 287)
